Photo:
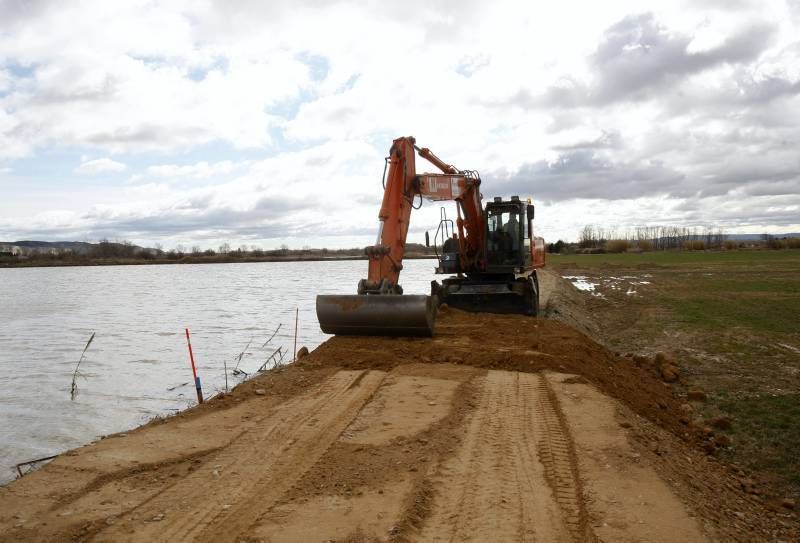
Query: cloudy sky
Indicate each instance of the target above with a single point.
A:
(264, 123)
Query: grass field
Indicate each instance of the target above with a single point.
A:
(733, 320)
(678, 258)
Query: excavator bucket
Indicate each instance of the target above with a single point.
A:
(376, 315)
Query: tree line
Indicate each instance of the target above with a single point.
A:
(599, 239)
(652, 237)
(125, 252)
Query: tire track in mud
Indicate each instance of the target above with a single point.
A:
(513, 478)
(557, 455)
(225, 496)
(129, 473)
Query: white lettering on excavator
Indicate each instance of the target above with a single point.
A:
(454, 190)
(380, 233)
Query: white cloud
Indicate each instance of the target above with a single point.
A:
(99, 165)
(113, 90)
(280, 197)
(704, 99)
(200, 169)
(5, 80)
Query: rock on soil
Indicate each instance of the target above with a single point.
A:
(723, 440)
(723, 423)
(696, 395)
(667, 367)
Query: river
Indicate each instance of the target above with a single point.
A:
(137, 365)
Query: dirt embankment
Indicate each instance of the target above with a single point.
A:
(501, 427)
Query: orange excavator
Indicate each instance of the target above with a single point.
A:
(490, 253)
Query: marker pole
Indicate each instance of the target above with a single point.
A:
(296, 315)
(194, 371)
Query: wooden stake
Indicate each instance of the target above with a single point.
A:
(296, 315)
(194, 371)
(74, 388)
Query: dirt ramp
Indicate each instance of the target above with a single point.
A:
(498, 485)
(627, 500)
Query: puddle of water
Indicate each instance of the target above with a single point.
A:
(622, 283)
(581, 283)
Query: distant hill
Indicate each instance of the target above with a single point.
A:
(79, 247)
(759, 237)
(76, 247)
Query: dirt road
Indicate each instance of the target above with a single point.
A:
(500, 428)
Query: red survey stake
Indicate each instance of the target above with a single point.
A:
(194, 370)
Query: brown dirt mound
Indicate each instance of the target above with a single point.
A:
(509, 342)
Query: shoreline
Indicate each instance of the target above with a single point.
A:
(188, 260)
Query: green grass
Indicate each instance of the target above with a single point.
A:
(715, 290)
(768, 427)
(669, 258)
(774, 314)
(732, 318)
(745, 284)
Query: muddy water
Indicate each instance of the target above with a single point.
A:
(137, 367)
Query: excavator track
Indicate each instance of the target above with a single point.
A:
(516, 296)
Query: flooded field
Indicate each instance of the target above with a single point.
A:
(137, 366)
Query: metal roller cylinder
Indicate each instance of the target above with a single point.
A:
(376, 315)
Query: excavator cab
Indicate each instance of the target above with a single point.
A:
(508, 235)
(507, 281)
(508, 239)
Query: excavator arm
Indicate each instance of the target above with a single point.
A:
(386, 256)
(464, 188)
(402, 187)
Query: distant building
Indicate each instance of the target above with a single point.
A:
(10, 250)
